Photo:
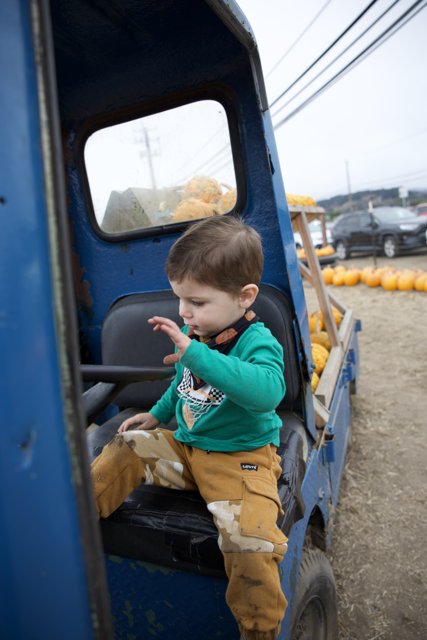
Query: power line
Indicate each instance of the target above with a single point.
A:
(211, 167)
(408, 177)
(203, 147)
(220, 151)
(336, 58)
(322, 55)
(302, 34)
(205, 164)
(418, 133)
(386, 34)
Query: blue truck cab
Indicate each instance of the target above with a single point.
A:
(122, 122)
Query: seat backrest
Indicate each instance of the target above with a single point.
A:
(275, 311)
(128, 339)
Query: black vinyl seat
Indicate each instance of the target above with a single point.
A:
(166, 526)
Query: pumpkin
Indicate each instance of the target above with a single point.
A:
(373, 279)
(338, 278)
(325, 251)
(340, 268)
(352, 277)
(202, 188)
(364, 273)
(420, 281)
(337, 316)
(382, 270)
(321, 337)
(314, 381)
(327, 275)
(406, 281)
(320, 322)
(192, 209)
(389, 281)
(313, 322)
(320, 356)
(317, 322)
(228, 200)
(303, 201)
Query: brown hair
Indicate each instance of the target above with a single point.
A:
(222, 252)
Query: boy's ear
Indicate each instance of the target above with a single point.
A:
(247, 295)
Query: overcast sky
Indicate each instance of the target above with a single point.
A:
(371, 126)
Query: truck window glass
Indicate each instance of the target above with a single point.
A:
(164, 168)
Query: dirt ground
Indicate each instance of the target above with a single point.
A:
(379, 545)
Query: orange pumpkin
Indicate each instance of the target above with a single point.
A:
(321, 337)
(337, 316)
(405, 281)
(320, 321)
(203, 188)
(364, 273)
(314, 322)
(373, 279)
(320, 355)
(327, 275)
(389, 281)
(338, 279)
(382, 270)
(352, 277)
(420, 281)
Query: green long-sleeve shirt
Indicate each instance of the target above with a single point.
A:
(235, 409)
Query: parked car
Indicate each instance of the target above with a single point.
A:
(315, 227)
(391, 230)
(421, 209)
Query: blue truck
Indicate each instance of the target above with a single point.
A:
(121, 123)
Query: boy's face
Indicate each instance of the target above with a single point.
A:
(207, 310)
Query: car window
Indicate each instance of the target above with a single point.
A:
(349, 223)
(393, 214)
(365, 220)
(168, 167)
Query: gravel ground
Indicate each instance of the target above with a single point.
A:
(378, 552)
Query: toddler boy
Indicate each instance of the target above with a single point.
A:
(229, 380)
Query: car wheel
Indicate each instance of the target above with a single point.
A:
(342, 250)
(314, 614)
(390, 247)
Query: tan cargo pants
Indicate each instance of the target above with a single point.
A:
(240, 489)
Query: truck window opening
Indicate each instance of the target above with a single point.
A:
(161, 169)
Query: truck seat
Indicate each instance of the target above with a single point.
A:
(166, 526)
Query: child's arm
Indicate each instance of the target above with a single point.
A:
(254, 380)
(138, 421)
(164, 410)
(171, 329)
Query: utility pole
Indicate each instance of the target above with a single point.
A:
(347, 170)
(149, 157)
(146, 151)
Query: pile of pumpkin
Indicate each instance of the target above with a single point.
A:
(320, 343)
(387, 277)
(323, 251)
(301, 201)
(203, 197)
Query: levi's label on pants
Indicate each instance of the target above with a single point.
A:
(240, 490)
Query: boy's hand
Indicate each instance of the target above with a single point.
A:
(180, 340)
(139, 421)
